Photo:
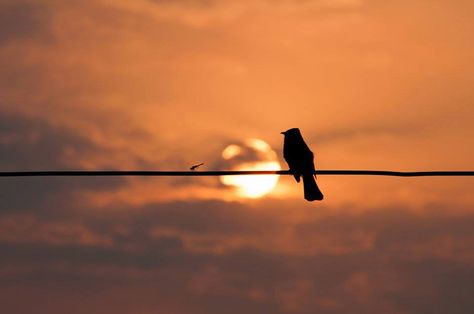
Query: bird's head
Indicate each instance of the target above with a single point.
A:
(291, 131)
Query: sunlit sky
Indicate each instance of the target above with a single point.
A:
(163, 85)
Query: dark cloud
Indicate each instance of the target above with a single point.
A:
(399, 273)
(34, 144)
(47, 195)
(28, 143)
(24, 20)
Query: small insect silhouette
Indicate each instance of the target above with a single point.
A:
(192, 168)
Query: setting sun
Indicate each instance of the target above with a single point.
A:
(253, 154)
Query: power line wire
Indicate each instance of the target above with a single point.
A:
(154, 173)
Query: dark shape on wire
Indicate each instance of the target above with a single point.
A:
(161, 173)
(300, 159)
(192, 168)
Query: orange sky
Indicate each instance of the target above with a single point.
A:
(148, 84)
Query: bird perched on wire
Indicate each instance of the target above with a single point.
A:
(192, 168)
(300, 159)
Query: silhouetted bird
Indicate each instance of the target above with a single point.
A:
(300, 159)
(192, 168)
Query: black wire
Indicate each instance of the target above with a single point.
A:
(152, 173)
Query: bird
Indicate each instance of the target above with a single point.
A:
(192, 168)
(300, 160)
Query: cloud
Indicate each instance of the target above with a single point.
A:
(28, 229)
(23, 20)
(28, 143)
(405, 130)
(173, 247)
(207, 13)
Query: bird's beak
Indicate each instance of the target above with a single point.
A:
(282, 133)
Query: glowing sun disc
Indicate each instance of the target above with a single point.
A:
(251, 186)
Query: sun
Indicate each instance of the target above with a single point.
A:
(252, 154)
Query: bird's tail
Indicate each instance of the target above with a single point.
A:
(311, 189)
